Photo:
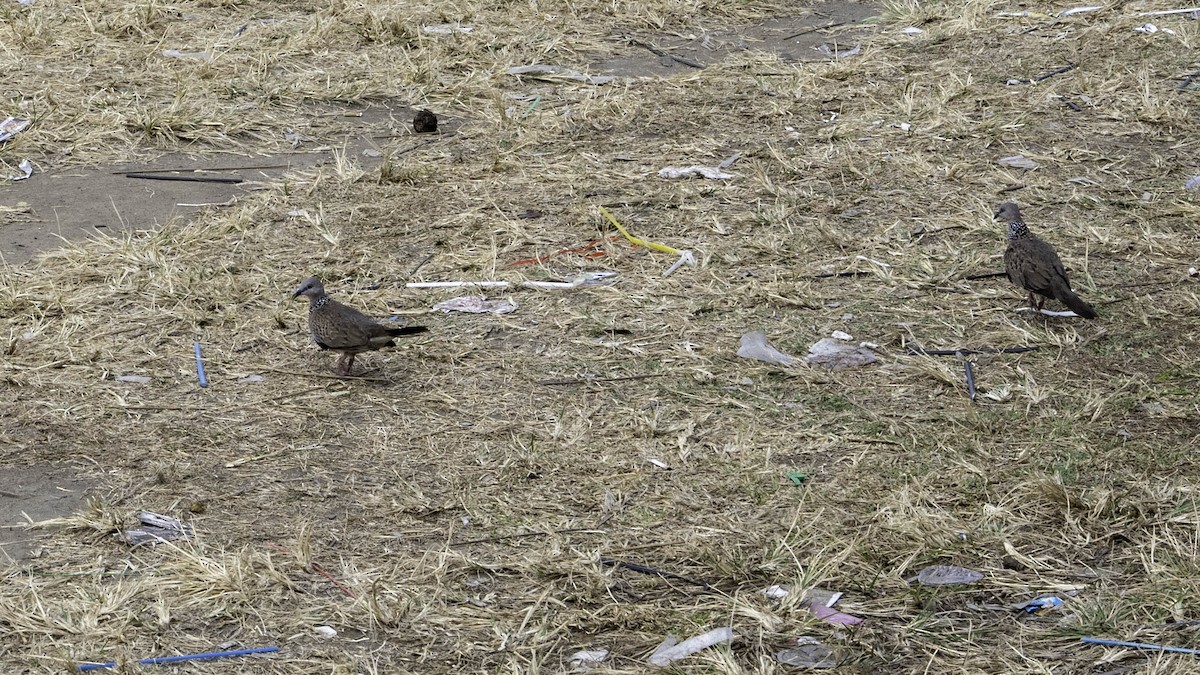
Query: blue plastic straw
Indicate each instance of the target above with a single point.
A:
(1140, 645)
(200, 366)
(159, 660)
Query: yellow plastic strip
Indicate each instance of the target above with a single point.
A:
(634, 240)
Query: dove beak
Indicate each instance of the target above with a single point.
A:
(297, 293)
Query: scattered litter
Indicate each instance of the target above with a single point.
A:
(447, 28)
(832, 52)
(139, 379)
(672, 650)
(754, 345)
(1048, 602)
(457, 284)
(1083, 180)
(1139, 645)
(155, 528)
(477, 304)
(577, 281)
(1018, 162)
(659, 463)
(1147, 28)
(200, 366)
(11, 127)
(1192, 184)
(298, 213)
(26, 169)
(372, 152)
(970, 373)
(1164, 12)
(903, 126)
(251, 378)
(326, 631)
(834, 616)
(776, 592)
(873, 261)
(839, 335)
(912, 30)
(946, 575)
(685, 256)
(710, 172)
(159, 660)
(837, 355)
(588, 656)
(1080, 10)
(1192, 271)
(176, 54)
(808, 653)
(590, 251)
(820, 602)
(728, 161)
(798, 478)
(556, 71)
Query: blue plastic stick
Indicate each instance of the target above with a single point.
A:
(1140, 645)
(159, 660)
(200, 366)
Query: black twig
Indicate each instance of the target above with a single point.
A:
(841, 274)
(650, 570)
(815, 29)
(1188, 80)
(1070, 104)
(1060, 71)
(970, 380)
(188, 178)
(1012, 188)
(988, 275)
(919, 351)
(589, 380)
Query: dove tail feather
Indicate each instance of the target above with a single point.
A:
(1077, 305)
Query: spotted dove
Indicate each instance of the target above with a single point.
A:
(1033, 265)
(345, 329)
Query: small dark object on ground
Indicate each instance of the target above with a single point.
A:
(425, 122)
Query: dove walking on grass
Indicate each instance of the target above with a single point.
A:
(1033, 265)
(344, 329)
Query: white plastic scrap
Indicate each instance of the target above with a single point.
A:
(912, 30)
(556, 71)
(139, 379)
(808, 653)
(447, 28)
(837, 355)
(325, 631)
(829, 51)
(672, 650)
(26, 169)
(1192, 184)
(776, 592)
(477, 304)
(175, 53)
(1018, 162)
(945, 575)
(710, 172)
(577, 281)
(588, 656)
(754, 345)
(11, 127)
(1080, 10)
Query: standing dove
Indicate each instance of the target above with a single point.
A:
(345, 329)
(1033, 265)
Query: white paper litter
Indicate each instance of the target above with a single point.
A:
(659, 463)
(840, 335)
(754, 345)
(11, 127)
(1147, 28)
(672, 650)
(250, 379)
(556, 71)
(325, 631)
(710, 172)
(1018, 162)
(26, 169)
(1080, 10)
(912, 30)
(476, 304)
(837, 355)
(447, 28)
(808, 653)
(776, 592)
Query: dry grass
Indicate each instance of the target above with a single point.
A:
(1074, 477)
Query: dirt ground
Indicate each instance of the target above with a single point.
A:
(562, 487)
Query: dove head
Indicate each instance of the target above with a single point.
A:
(311, 288)
(1009, 213)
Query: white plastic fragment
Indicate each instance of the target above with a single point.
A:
(556, 71)
(298, 213)
(1147, 28)
(200, 56)
(685, 258)
(710, 172)
(831, 53)
(457, 284)
(11, 127)
(672, 650)
(577, 281)
(139, 379)
(776, 592)
(1192, 184)
(476, 304)
(249, 379)
(1080, 10)
(659, 463)
(841, 335)
(1164, 12)
(325, 631)
(945, 575)
(588, 656)
(837, 355)
(155, 528)
(1192, 271)
(754, 345)
(1018, 162)
(912, 30)
(447, 28)
(26, 169)
(808, 653)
